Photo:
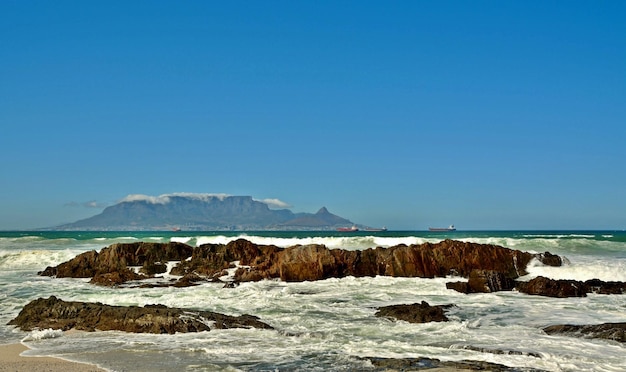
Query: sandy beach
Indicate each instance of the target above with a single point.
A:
(11, 361)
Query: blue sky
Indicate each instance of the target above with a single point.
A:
(482, 114)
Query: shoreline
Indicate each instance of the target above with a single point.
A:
(12, 360)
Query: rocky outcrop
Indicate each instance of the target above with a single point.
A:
(495, 264)
(316, 262)
(118, 257)
(609, 331)
(414, 313)
(58, 314)
(543, 286)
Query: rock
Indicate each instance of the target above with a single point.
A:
(58, 314)
(306, 262)
(601, 287)
(549, 259)
(152, 268)
(116, 278)
(502, 351)
(414, 313)
(417, 364)
(462, 287)
(543, 286)
(316, 262)
(609, 331)
(569, 288)
(118, 257)
(484, 281)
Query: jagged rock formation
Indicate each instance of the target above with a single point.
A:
(299, 263)
(609, 331)
(414, 313)
(118, 257)
(58, 314)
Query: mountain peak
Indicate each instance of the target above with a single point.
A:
(323, 210)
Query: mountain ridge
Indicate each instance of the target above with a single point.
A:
(202, 212)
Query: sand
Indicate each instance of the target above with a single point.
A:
(11, 361)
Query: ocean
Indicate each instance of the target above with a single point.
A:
(327, 325)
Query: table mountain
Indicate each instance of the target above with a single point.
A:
(204, 213)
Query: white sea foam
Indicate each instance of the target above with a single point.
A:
(43, 334)
(181, 239)
(324, 324)
(582, 269)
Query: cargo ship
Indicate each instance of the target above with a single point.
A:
(449, 228)
(348, 229)
(376, 229)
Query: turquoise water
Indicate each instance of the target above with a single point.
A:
(329, 324)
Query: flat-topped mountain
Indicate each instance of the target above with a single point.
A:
(203, 212)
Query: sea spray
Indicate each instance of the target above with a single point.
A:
(328, 324)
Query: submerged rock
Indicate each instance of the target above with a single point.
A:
(58, 314)
(418, 364)
(609, 331)
(415, 313)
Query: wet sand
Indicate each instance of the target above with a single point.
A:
(11, 361)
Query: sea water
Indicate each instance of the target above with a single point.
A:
(327, 325)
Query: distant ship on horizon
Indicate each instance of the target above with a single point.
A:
(449, 228)
(384, 228)
(348, 229)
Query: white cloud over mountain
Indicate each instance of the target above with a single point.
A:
(165, 198)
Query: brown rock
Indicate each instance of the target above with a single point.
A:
(118, 257)
(300, 263)
(116, 278)
(602, 287)
(543, 286)
(57, 314)
(609, 331)
(414, 313)
(549, 259)
(483, 281)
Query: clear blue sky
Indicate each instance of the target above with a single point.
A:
(484, 114)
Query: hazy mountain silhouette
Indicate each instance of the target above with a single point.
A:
(204, 213)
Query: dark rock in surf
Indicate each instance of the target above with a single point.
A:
(414, 313)
(316, 262)
(608, 331)
(483, 281)
(305, 262)
(549, 259)
(418, 364)
(118, 257)
(58, 314)
(543, 286)
(501, 351)
(116, 278)
(601, 287)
